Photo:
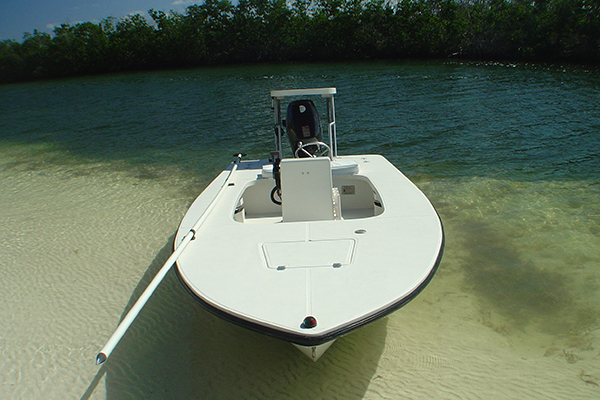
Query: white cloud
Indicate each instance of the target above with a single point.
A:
(51, 26)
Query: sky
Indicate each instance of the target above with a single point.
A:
(20, 16)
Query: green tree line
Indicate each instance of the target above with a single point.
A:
(218, 32)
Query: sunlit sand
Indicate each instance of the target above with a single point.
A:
(512, 312)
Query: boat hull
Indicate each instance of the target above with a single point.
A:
(250, 266)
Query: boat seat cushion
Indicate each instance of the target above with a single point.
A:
(306, 189)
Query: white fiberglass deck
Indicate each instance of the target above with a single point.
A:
(253, 266)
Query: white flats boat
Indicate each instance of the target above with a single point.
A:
(309, 247)
(304, 248)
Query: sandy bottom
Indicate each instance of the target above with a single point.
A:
(514, 311)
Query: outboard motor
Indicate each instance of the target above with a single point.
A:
(303, 126)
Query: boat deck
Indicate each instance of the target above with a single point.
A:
(269, 274)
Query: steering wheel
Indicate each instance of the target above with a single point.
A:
(323, 148)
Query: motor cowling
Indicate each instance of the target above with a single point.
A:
(303, 126)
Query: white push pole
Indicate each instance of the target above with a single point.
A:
(141, 302)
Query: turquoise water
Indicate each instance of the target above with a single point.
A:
(97, 172)
(518, 122)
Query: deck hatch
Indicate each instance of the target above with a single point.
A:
(309, 254)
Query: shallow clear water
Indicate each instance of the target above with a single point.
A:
(97, 172)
